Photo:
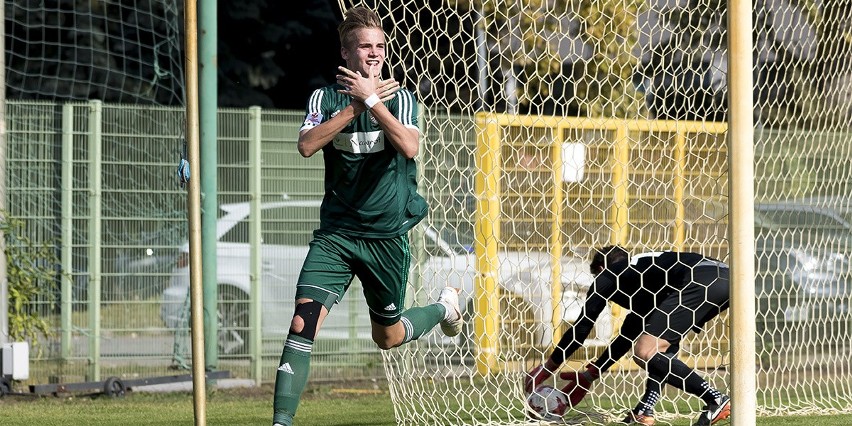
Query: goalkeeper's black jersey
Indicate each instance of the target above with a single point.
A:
(638, 285)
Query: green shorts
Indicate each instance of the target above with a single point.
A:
(381, 265)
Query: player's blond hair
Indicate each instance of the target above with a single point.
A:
(357, 18)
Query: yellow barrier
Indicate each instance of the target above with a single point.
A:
(521, 182)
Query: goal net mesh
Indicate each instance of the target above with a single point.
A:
(553, 127)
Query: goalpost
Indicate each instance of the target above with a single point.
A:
(553, 127)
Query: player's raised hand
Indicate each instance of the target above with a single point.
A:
(387, 89)
(355, 85)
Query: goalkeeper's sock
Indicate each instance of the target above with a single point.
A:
(710, 395)
(653, 389)
(654, 386)
(679, 375)
(291, 378)
(420, 320)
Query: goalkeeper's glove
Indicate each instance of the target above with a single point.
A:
(535, 377)
(579, 383)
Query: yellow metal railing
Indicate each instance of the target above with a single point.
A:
(628, 153)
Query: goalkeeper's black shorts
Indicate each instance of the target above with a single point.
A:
(707, 295)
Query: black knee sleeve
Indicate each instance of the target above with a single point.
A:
(309, 312)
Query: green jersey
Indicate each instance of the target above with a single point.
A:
(370, 189)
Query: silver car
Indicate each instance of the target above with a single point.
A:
(448, 261)
(803, 274)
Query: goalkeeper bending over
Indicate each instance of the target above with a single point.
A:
(668, 294)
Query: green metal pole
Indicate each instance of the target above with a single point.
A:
(207, 97)
(94, 266)
(4, 278)
(67, 224)
(419, 232)
(255, 239)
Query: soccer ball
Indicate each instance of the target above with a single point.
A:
(547, 403)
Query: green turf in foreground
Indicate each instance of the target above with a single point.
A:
(321, 407)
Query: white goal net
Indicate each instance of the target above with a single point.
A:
(553, 127)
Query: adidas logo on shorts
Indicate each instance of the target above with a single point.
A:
(391, 307)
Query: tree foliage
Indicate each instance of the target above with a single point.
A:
(606, 88)
(273, 54)
(128, 52)
(526, 38)
(802, 52)
(32, 271)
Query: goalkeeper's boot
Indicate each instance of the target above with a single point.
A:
(452, 323)
(715, 412)
(641, 417)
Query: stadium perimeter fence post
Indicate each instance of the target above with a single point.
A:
(207, 115)
(95, 236)
(741, 219)
(67, 228)
(4, 279)
(199, 388)
(255, 239)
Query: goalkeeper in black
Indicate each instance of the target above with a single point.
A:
(668, 295)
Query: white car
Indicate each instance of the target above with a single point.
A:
(448, 262)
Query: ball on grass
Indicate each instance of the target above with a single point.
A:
(547, 403)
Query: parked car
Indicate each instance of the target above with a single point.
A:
(135, 265)
(525, 281)
(803, 275)
(526, 277)
(142, 268)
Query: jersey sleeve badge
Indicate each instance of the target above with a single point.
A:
(313, 119)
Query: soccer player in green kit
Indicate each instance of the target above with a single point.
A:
(366, 127)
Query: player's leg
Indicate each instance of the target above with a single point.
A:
(383, 269)
(323, 281)
(643, 412)
(676, 315)
(716, 281)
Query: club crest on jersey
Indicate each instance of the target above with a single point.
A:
(373, 120)
(313, 119)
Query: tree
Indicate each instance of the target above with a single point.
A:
(537, 56)
(81, 50)
(274, 54)
(800, 47)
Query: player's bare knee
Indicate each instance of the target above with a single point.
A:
(297, 324)
(643, 353)
(385, 341)
(306, 319)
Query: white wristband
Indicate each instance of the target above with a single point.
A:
(372, 100)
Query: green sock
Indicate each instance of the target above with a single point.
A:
(291, 378)
(418, 321)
